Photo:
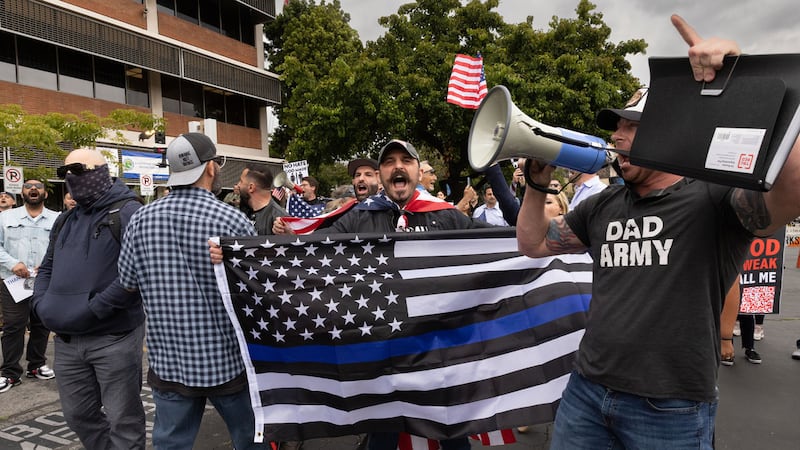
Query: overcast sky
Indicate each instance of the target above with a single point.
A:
(759, 26)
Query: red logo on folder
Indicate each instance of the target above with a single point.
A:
(746, 161)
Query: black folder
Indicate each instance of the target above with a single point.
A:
(736, 131)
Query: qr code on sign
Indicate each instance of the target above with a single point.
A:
(758, 299)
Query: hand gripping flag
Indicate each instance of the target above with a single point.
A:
(439, 334)
(467, 85)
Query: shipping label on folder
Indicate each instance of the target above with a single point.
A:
(735, 149)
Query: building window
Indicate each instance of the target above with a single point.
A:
(214, 101)
(252, 108)
(210, 15)
(187, 10)
(230, 23)
(75, 72)
(234, 109)
(171, 94)
(137, 92)
(8, 58)
(37, 63)
(166, 6)
(109, 80)
(191, 99)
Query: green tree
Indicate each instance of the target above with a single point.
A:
(342, 100)
(54, 133)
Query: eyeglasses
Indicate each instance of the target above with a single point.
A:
(75, 169)
(220, 160)
(429, 171)
(33, 185)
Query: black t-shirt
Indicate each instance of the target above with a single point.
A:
(265, 217)
(662, 266)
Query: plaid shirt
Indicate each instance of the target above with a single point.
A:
(190, 339)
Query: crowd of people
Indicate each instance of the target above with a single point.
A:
(112, 273)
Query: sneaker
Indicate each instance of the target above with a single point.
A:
(7, 383)
(758, 332)
(796, 354)
(752, 356)
(736, 330)
(727, 361)
(42, 373)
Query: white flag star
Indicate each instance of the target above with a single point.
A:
(384, 239)
(307, 335)
(267, 244)
(250, 252)
(242, 286)
(345, 290)
(282, 271)
(301, 310)
(382, 260)
(257, 298)
(269, 286)
(358, 277)
(339, 249)
(296, 262)
(376, 287)
(281, 251)
(311, 250)
(392, 298)
(336, 333)
(319, 321)
(235, 261)
(356, 240)
(362, 302)
(329, 279)
(263, 324)
(236, 246)
(289, 323)
(341, 270)
(312, 270)
(349, 318)
(285, 297)
(370, 269)
(354, 261)
(365, 329)
(327, 241)
(273, 312)
(388, 276)
(297, 242)
(325, 261)
(315, 295)
(278, 336)
(266, 262)
(379, 313)
(256, 334)
(299, 283)
(395, 324)
(332, 306)
(368, 248)
(248, 311)
(252, 273)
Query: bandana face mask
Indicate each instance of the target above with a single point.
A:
(88, 186)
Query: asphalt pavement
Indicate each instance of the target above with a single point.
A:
(758, 402)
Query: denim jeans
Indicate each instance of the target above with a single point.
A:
(100, 382)
(591, 416)
(178, 419)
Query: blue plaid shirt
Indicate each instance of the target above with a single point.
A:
(190, 339)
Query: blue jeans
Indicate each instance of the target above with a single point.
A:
(100, 381)
(178, 419)
(591, 416)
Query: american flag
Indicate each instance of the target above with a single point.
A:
(297, 207)
(438, 334)
(491, 438)
(278, 193)
(467, 85)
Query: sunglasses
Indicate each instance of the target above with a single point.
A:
(75, 169)
(33, 185)
(221, 160)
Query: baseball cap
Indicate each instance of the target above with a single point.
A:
(607, 118)
(360, 162)
(187, 156)
(398, 144)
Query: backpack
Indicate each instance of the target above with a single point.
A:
(113, 223)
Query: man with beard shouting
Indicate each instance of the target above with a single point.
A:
(24, 236)
(191, 344)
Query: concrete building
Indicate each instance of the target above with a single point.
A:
(197, 63)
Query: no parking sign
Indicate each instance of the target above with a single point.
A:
(146, 184)
(13, 179)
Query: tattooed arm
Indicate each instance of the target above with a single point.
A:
(763, 213)
(537, 235)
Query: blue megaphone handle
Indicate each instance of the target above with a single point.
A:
(586, 159)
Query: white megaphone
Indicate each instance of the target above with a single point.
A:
(282, 180)
(501, 131)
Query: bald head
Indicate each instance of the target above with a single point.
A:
(85, 156)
